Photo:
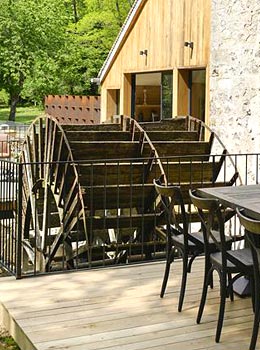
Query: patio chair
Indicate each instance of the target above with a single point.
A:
(252, 233)
(229, 264)
(177, 235)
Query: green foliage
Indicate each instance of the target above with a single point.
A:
(31, 31)
(117, 8)
(92, 38)
(55, 46)
(7, 342)
(4, 97)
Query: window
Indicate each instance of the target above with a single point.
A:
(191, 92)
(151, 96)
(167, 95)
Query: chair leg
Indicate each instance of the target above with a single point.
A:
(252, 288)
(255, 329)
(169, 260)
(230, 287)
(192, 258)
(211, 284)
(207, 277)
(256, 304)
(210, 279)
(223, 295)
(184, 280)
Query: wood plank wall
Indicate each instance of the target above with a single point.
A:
(162, 30)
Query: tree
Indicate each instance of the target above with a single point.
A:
(31, 33)
(92, 38)
(89, 39)
(79, 9)
(55, 46)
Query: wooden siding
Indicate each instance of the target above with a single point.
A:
(120, 308)
(162, 30)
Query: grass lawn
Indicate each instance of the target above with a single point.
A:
(24, 115)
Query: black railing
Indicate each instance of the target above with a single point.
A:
(105, 213)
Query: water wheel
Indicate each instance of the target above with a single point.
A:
(78, 202)
(88, 193)
(52, 197)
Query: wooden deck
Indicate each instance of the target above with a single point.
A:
(119, 309)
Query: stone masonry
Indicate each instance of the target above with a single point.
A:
(235, 74)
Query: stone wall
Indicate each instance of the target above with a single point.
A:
(235, 74)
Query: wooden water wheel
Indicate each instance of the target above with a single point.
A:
(88, 194)
(85, 192)
(52, 197)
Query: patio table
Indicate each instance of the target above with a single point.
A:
(244, 196)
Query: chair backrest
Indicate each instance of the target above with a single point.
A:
(174, 208)
(252, 234)
(212, 219)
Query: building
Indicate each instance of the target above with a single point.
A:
(197, 57)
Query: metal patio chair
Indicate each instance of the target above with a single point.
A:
(177, 235)
(229, 264)
(252, 233)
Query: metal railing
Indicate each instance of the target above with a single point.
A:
(120, 207)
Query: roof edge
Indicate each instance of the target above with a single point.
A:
(120, 38)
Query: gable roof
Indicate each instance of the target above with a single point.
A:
(124, 31)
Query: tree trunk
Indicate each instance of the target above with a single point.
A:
(13, 104)
(74, 3)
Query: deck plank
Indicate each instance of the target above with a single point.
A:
(119, 308)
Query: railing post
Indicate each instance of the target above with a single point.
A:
(18, 227)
